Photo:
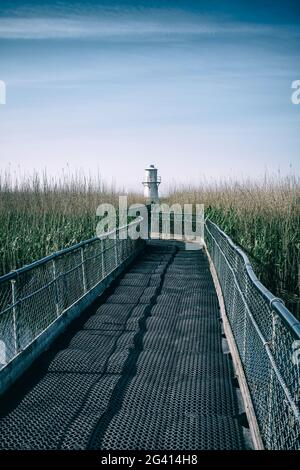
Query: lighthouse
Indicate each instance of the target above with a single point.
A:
(151, 183)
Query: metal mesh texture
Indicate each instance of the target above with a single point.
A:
(137, 375)
(32, 299)
(265, 333)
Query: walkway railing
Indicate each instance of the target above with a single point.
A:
(266, 334)
(34, 297)
(267, 337)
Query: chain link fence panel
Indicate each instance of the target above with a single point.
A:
(33, 297)
(265, 333)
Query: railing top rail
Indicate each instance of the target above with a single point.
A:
(275, 303)
(28, 267)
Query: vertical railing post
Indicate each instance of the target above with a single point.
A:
(116, 251)
(270, 384)
(245, 323)
(232, 314)
(15, 319)
(83, 270)
(102, 258)
(120, 248)
(56, 287)
(149, 220)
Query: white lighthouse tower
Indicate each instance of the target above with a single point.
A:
(151, 183)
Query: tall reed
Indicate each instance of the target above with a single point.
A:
(263, 218)
(39, 215)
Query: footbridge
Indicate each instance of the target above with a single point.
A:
(146, 344)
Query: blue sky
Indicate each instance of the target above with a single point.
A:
(199, 88)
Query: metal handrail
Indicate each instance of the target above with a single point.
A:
(56, 254)
(259, 333)
(157, 181)
(35, 296)
(275, 302)
(266, 336)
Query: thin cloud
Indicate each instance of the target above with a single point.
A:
(88, 28)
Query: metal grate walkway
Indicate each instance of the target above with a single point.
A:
(145, 371)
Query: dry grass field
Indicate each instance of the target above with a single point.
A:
(40, 215)
(263, 217)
